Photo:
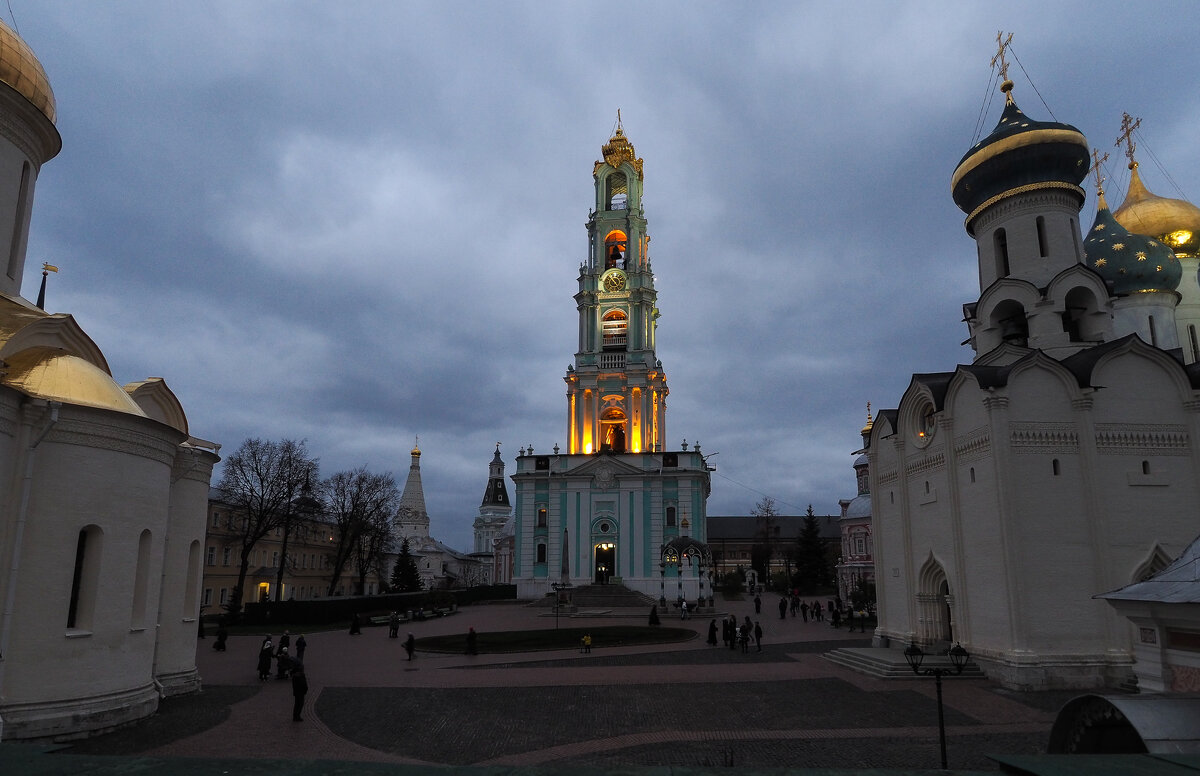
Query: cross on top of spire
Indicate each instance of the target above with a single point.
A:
(1098, 160)
(1003, 44)
(1128, 124)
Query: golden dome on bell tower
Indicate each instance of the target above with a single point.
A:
(22, 71)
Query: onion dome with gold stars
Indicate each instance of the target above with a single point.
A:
(1130, 263)
(1175, 222)
(1020, 155)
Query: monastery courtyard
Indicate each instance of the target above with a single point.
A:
(684, 705)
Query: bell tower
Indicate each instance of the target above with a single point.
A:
(616, 389)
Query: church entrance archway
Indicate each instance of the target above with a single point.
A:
(606, 561)
(935, 605)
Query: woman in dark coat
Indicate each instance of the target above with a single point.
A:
(712, 633)
(264, 660)
(409, 645)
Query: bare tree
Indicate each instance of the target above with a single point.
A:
(370, 551)
(260, 481)
(765, 527)
(360, 505)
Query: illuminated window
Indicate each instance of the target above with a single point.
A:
(616, 328)
(541, 517)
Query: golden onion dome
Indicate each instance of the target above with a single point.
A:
(1174, 222)
(21, 70)
(56, 375)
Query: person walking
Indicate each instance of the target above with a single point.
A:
(472, 642)
(783, 607)
(712, 633)
(683, 610)
(758, 604)
(758, 635)
(393, 625)
(355, 625)
(299, 690)
(222, 635)
(733, 631)
(654, 614)
(285, 641)
(804, 611)
(301, 645)
(409, 645)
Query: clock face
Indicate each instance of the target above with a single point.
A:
(614, 281)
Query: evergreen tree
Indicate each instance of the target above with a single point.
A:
(812, 567)
(405, 577)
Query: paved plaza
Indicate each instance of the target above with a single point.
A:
(680, 705)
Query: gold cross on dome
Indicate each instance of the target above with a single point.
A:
(1003, 43)
(1128, 124)
(1098, 160)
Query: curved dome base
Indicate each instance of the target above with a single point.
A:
(76, 717)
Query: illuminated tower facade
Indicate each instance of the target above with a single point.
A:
(609, 508)
(616, 389)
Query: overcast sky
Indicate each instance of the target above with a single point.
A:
(353, 223)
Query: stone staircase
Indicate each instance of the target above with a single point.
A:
(889, 663)
(610, 596)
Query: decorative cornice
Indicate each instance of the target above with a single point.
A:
(888, 476)
(925, 464)
(973, 445)
(993, 402)
(104, 436)
(1043, 437)
(1134, 438)
(1022, 190)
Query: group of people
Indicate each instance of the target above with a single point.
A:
(286, 666)
(736, 634)
(817, 613)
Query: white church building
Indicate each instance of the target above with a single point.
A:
(1064, 460)
(103, 491)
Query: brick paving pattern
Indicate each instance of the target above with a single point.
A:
(673, 705)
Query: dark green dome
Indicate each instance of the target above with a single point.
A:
(1019, 155)
(1129, 263)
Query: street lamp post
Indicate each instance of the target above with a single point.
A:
(958, 658)
(559, 587)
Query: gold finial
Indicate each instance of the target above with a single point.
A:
(1003, 43)
(1128, 124)
(1098, 160)
(870, 423)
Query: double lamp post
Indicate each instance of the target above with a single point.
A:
(958, 660)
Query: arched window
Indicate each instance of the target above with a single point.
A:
(190, 603)
(1009, 317)
(670, 517)
(615, 246)
(137, 617)
(85, 579)
(541, 553)
(1000, 244)
(616, 192)
(616, 329)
